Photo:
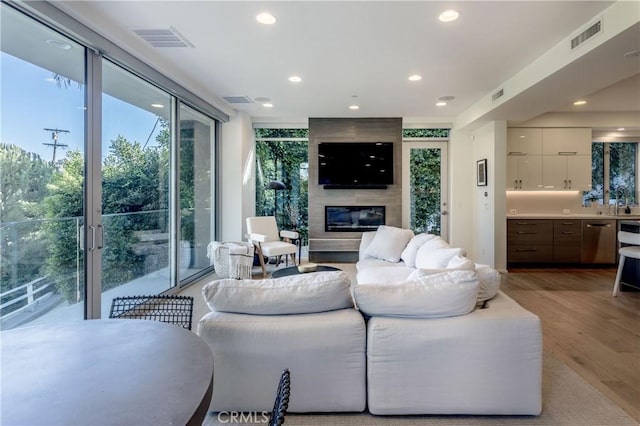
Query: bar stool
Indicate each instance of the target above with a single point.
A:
(628, 251)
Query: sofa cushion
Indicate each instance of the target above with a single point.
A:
(410, 252)
(389, 242)
(438, 258)
(296, 294)
(489, 282)
(444, 294)
(489, 278)
(384, 274)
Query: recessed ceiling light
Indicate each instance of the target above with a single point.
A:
(267, 105)
(354, 107)
(59, 44)
(449, 15)
(580, 102)
(441, 103)
(620, 129)
(295, 79)
(266, 18)
(415, 77)
(157, 105)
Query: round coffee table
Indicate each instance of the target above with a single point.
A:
(293, 270)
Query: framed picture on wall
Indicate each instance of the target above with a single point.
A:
(481, 172)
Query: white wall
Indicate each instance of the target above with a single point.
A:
(489, 202)
(237, 177)
(461, 184)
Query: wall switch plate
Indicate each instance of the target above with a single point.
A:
(566, 211)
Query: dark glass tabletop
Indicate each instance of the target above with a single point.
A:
(293, 270)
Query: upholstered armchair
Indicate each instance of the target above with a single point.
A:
(269, 241)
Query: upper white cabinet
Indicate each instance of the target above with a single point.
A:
(524, 158)
(549, 158)
(574, 141)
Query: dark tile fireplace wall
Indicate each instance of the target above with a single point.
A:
(327, 246)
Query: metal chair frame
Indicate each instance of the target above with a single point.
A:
(281, 403)
(172, 309)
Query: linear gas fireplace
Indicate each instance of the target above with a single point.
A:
(353, 218)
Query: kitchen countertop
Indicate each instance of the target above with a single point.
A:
(572, 216)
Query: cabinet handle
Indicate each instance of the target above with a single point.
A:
(526, 223)
(569, 183)
(567, 152)
(567, 233)
(598, 225)
(526, 250)
(568, 223)
(526, 232)
(520, 184)
(517, 153)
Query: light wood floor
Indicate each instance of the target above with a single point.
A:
(595, 334)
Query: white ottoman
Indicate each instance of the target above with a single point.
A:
(486, 362)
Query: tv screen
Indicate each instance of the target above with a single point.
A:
(355, 163)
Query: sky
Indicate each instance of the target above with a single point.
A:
(31, 101)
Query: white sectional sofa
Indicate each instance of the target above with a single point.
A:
(440, 338)
(473, 351)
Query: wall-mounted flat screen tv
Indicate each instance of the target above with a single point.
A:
(355, 164)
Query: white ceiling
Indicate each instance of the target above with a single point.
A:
(358, 52)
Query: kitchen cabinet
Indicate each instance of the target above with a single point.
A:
(524, 172)
(549, 158)
(529, 241)
(567, 172)
(524, 158)
(567, 240)
(545, 241)
(565, 141)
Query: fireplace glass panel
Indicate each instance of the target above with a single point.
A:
(353, 218)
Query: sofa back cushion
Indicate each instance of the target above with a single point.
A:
(410, 252)
(437, 258)
(388, 243)
(296, 294)
(444, 294)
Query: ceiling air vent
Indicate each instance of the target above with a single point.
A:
(163, 37)
(238, 99)
(497, 95)
(586, 34)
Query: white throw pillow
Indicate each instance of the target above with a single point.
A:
(389, 242)
(444, 294)
(439, 258)
(296, 294)
(461, 262)
(410, 252)
(489, 282)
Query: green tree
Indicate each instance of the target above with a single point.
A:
(23, 180)
(285, 161)
(63, 206)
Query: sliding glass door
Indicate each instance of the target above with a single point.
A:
(106, 180)
(136, 139)
(42, 161)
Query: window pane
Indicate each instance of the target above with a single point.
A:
(622, 172)
(41, 171)
(135, 186)
(286, 162)
(197, 136)
(425, 182)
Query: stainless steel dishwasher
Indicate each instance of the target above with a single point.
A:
(599, 241)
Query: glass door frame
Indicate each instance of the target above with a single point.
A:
(407, 146)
